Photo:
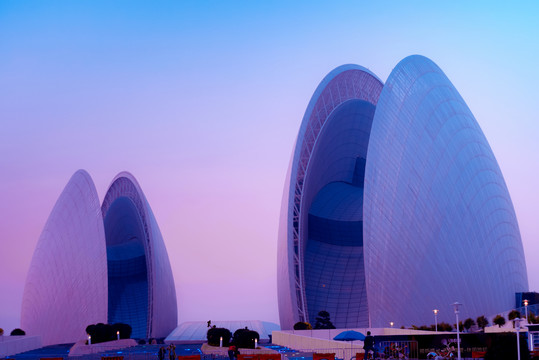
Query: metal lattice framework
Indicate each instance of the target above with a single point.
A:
(345, 83)
(124, 184)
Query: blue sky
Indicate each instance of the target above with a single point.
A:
(202, 102)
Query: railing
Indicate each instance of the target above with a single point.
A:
(398, 350)
(323, 354)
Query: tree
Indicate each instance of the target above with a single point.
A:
(1, 332)
(300, 325)
(482, 322)
(215, 334)
(424, 327)
(443, 326)
(17, 332)
(532, 318)
(499, 320)
(461, 326)
(468, 323)
(513, 314)
(323, 321)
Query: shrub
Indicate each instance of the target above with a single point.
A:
(1, 331)
(300, 325)
(104, 332)
(214, 336)
(323, 321)
(124, 329)
(245, 338)
(17, 332)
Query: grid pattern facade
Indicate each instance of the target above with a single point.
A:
(127, 270)
(439, 200)
(394, 205)
(65, 287)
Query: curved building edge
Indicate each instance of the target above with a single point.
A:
(64, 289)
(445, 189)
(346, 82)
(162, 312)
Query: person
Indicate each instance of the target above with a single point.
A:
(231, 352)
(172, 352)
(209, 323)
(368, 345)
(161, 353)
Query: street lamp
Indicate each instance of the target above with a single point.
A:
(526, 309)
(517, 327)
(391, 323)
(456, 307)
(436, 318)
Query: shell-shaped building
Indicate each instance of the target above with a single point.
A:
(394, 206)
(97, 264)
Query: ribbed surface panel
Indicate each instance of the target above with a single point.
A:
(439, 222)
(66, 288)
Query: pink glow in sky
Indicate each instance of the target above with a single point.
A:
(202, 101)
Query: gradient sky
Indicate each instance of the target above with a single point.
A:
(201, 101)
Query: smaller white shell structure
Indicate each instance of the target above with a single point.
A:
(96, 264)
(66, 285)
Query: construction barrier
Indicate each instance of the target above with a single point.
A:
(478, 354)
(188, 357)
(248, 357)
(269, 356)
(320, 356)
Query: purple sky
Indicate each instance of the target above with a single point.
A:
(202, 101)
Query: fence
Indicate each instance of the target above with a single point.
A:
(398, 349)
(323, 354)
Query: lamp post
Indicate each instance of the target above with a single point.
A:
(436, 318)
(391, 323)
(456, 307)
(526, 309)
(517, 327)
